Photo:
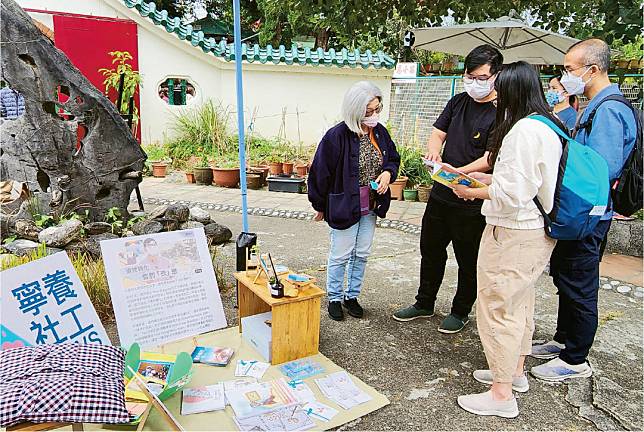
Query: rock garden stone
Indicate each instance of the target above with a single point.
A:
(95, 228)
(27, 229)
(158, 212)
(191, 225)
(22, 247)
(217, 234)
(60, 235)
(147, 227)
(168, 224)
(178, 212)
(93, 243)
(76, 247)
(200, 215)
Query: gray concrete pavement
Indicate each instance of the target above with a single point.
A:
(422, 371)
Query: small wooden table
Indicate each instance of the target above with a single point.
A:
(295, 323)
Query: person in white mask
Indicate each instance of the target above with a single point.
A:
(460, 139)
(348, 187)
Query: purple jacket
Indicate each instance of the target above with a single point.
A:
(333, 179)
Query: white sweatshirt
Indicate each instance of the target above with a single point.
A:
(527, 166)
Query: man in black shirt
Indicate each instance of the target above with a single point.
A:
(464, 128)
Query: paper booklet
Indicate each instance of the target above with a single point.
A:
(452, 177)
(340, 388)
(251, 368)
(261, 398)
(203, 399)
(214, 356)
(289, 419)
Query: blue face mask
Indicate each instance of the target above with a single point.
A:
(553, 97)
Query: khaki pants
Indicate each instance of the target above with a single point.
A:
(509, 264)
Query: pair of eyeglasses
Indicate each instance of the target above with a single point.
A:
(469, 79)
(371, 111)
(576, 69)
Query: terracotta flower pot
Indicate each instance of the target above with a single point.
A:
(397, 188)
(263, 170)
(302, 170)
(423, 193)
(254, 180)
(203, 175)
(225, 177)
(275, 168)
(287, 168)
(159, 169)
(190, 177)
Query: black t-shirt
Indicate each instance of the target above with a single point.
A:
(468, 124)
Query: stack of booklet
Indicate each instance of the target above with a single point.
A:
(214, 356)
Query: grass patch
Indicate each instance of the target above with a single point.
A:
(610, 316)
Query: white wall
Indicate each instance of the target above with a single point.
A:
(315, 91)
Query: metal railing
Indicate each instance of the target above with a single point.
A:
(416, 103)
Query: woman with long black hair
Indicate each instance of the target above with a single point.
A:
(514, 248)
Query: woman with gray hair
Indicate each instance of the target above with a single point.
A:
(348, 186)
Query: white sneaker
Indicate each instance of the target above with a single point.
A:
(547, 351)
(558, 370)
(519, 384)
(483, 404)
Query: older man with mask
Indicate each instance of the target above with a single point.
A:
(574, 265)
(463, 128)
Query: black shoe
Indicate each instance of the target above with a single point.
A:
(335, 311)
(353, 308)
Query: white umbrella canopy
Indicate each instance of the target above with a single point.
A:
(515, 39)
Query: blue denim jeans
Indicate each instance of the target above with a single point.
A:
(348, 253)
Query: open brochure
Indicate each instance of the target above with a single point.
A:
(450, 177)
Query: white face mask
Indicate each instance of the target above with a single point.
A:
(574, 84)
(478, 91)
(371, 121)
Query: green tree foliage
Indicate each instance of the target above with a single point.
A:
(380, 24)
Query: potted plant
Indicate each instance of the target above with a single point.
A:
(158, 158)
(226, 173)
(203, 172)
(301, 168)
(424, 186)
(275, 164)
(411, 166)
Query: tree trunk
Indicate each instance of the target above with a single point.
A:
(322, 39)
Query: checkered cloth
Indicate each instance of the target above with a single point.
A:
(62, 383)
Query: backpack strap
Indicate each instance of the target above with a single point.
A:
(552, 126)
(588, 124)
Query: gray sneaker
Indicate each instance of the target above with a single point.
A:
(453, 324)
(547, 351)
(484, 405)
(411, 313)
(519, 384)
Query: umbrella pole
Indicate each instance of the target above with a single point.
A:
(240, 115)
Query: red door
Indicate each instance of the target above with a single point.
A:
(87, 42)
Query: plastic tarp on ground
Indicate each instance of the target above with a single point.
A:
(207, 375)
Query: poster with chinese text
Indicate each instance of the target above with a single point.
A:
(44, 302)
(163, 287)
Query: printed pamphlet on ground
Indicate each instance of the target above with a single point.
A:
(288, 419)
(261, 398)
(203, 399)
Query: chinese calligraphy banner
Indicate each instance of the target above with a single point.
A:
(44, 302)
(163, 287)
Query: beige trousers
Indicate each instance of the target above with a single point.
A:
(509, 264)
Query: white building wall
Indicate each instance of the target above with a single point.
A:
(315, 92)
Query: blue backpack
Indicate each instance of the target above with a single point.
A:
(582, 191)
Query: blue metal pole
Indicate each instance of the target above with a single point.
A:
(240, 114)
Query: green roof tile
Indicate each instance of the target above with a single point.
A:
(255, 53)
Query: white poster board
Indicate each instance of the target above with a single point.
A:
(405, 72)
(44, 302)
(163, 287)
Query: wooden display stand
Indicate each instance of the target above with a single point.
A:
(295, 323)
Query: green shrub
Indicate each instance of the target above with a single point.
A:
(412, 165)
(201, 131)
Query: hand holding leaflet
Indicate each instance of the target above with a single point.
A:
(449, 176)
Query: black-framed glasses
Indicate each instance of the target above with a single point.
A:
(469, 79)
(371, 111)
